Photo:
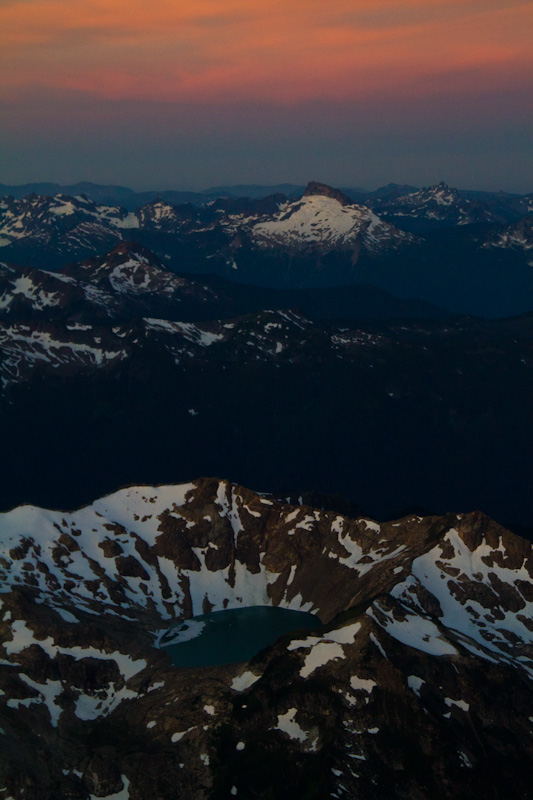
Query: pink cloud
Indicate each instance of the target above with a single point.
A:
(223, 50)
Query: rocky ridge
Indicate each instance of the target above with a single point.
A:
(31, 293)
(71, 348)
(223, 236)
(67, 222)
(418, 683)
(124, 283)
(518, 237)
(437, 205)
(75, 219)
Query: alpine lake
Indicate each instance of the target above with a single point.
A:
(233, 635)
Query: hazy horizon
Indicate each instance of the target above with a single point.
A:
(354, 185)
(217, 92)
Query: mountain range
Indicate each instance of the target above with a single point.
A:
(364, 362)
(433, 244)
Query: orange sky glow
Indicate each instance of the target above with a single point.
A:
(194, 92)
(223, 50)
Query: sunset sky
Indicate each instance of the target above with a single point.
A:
(182, 94)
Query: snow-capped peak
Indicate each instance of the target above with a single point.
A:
(326, 218)
(441, 194)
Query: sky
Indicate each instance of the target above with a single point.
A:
(189, 94)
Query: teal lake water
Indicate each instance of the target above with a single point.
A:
(226, 637)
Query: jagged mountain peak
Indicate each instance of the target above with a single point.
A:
(441, 193)
(123, 255)
(129, 250)
(443, 190)
(439, 205)
(129, 268)
(158, 208)
(322, 189)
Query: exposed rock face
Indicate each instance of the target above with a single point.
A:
(417, 685)
(316, 188)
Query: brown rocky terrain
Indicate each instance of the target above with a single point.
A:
(416, 685)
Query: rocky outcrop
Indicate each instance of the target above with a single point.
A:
(517, 237)
(418, 683)
(435, 206)
(316, 188)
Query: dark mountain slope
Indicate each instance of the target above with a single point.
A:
(130, 281)
(435, 415)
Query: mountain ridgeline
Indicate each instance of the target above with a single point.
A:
(471, 255)
(417, 682)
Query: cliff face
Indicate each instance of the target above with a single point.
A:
(417, 685)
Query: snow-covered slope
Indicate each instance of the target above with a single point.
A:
(421, 673)
(72, 348)
(176, 562)
(75, 220)
(128, 269)
(163, 216)
(46, 349)
(26, 292)
(126, 282)
(440, 195)
(324, 219)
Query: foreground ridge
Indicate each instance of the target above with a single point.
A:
(417, 684)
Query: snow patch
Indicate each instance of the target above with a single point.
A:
(287, 724)
(244, 681)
